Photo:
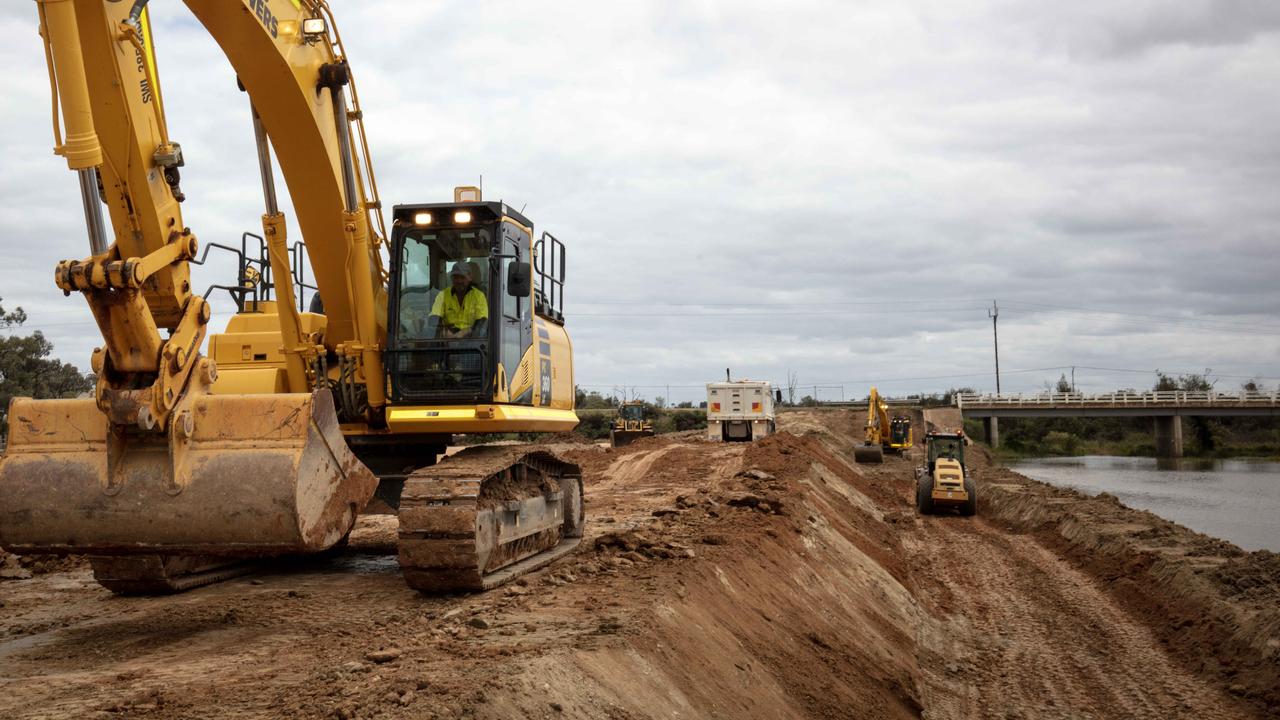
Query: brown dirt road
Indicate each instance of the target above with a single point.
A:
(772, 580)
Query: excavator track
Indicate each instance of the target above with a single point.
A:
(487, 515)
(164, 574)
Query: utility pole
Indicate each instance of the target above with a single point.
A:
(994, 314)
(1073, 378)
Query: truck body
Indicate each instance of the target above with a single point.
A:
(740, 411)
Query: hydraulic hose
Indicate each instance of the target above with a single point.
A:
(135, 12)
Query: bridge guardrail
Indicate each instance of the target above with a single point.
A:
(1123, 399)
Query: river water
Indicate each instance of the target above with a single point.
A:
(1236, 500)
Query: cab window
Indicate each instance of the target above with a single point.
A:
(427, 259)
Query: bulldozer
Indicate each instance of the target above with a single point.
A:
(944, 481)
(882, 434)
(630, 424)
(184, 465)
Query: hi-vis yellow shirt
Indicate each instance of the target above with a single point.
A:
(460, 316)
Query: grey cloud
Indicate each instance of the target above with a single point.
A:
(909, 160)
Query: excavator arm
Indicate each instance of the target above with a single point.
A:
(104, 72)
(156, 462)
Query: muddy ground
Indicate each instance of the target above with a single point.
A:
(773, 580)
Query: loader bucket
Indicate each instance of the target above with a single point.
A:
(254, 475)
(621, 438)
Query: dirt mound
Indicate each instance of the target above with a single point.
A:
(21, 567)
(942, 419)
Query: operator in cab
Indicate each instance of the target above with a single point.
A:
(463, 309)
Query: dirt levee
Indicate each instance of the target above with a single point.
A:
(766, 580)
(943, 419)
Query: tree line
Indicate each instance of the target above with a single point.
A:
(27, 370)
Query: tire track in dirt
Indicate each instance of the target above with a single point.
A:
(1025, 629)
(1030, 631)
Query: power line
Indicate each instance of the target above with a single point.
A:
(756, 313)
(662, 303)
(1172, 318)
(1148, 322)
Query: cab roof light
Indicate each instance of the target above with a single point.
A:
(314, 30)
(422, 218)
(462, 217)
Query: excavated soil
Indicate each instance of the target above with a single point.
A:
(770, 580)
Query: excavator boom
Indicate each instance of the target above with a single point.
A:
(157, 461)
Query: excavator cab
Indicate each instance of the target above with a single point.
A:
(900, 432)
(496, 358)
(459, 338)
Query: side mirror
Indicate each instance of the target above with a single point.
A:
(777, 396)
(519, 278)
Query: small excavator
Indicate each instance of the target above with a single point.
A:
(945, 481)
(882, 434)
(183, 465)
(630, 424)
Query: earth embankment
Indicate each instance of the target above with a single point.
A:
(770, 580)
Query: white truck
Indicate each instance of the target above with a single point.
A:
(740, 410)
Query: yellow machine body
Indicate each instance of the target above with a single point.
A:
(944, 482)
(265, 445)
(882, 433)
(948, 483)
(630, 424)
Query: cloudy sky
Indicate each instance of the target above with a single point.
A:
(835, 189)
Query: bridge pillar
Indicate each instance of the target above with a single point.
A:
(991, 431)
(1168, 436)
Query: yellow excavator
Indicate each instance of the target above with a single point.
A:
(630, 424)
(882, 434)
(182, 465)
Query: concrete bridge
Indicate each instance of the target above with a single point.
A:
(1165, 407)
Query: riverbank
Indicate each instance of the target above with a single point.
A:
(1204, 597)
(1236, 500)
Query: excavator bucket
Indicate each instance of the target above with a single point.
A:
(250, 475)
(869, 454)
